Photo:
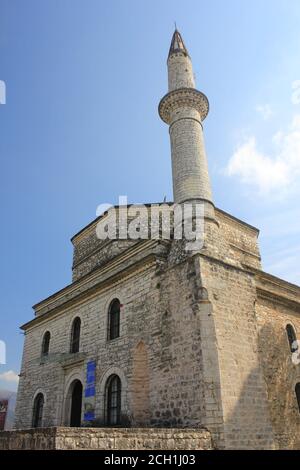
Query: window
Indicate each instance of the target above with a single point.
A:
(46, 344)
(114, 319)
(38, 406)
(291, 334)
(113, 400)
(297, 390)
(75, 335)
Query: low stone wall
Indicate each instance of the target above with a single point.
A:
(106, 439)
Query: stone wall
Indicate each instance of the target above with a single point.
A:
(231, 292)
(190, 352)
(281, 374)
(157, 309)
(90, 252)
(106, 439)
(241, 240)
(140, 385)
(180, 72)
(189, 162)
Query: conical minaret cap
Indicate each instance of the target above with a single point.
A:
(177, 44)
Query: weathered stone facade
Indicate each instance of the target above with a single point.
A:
(202, 340)
(277, 305)
(106, 439)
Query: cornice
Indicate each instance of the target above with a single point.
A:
(95, 289)
(123, 261)
(234, 220)
(275, 289)
(278, 299)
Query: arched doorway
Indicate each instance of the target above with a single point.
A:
(74, 404)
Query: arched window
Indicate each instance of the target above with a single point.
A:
(113, 400)
(37, 416)
(46, 343)
(114, 319)
(291, 334)
(75, 335)
(297, 390)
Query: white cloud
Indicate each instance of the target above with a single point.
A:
(9, 376)
(2, 92)
(265, 111)
(275, 173)
(296, 93)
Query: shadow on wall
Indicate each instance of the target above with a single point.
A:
(281, 376)
(140, 386)
(248, 426)
(254, 420)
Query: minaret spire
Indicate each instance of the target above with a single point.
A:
(177, 43)
(184, 108)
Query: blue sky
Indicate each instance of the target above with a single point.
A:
(80, 127)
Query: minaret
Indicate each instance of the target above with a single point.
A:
(184, 108)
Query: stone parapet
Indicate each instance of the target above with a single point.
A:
(61, 438)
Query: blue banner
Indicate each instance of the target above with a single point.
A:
(90, 391)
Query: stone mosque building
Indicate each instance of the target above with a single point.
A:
(150, 335)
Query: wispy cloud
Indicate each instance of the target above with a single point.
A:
(265, 111)
(9, 376)
(296, 92)
(269, 173)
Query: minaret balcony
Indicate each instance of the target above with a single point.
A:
(183, 97)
